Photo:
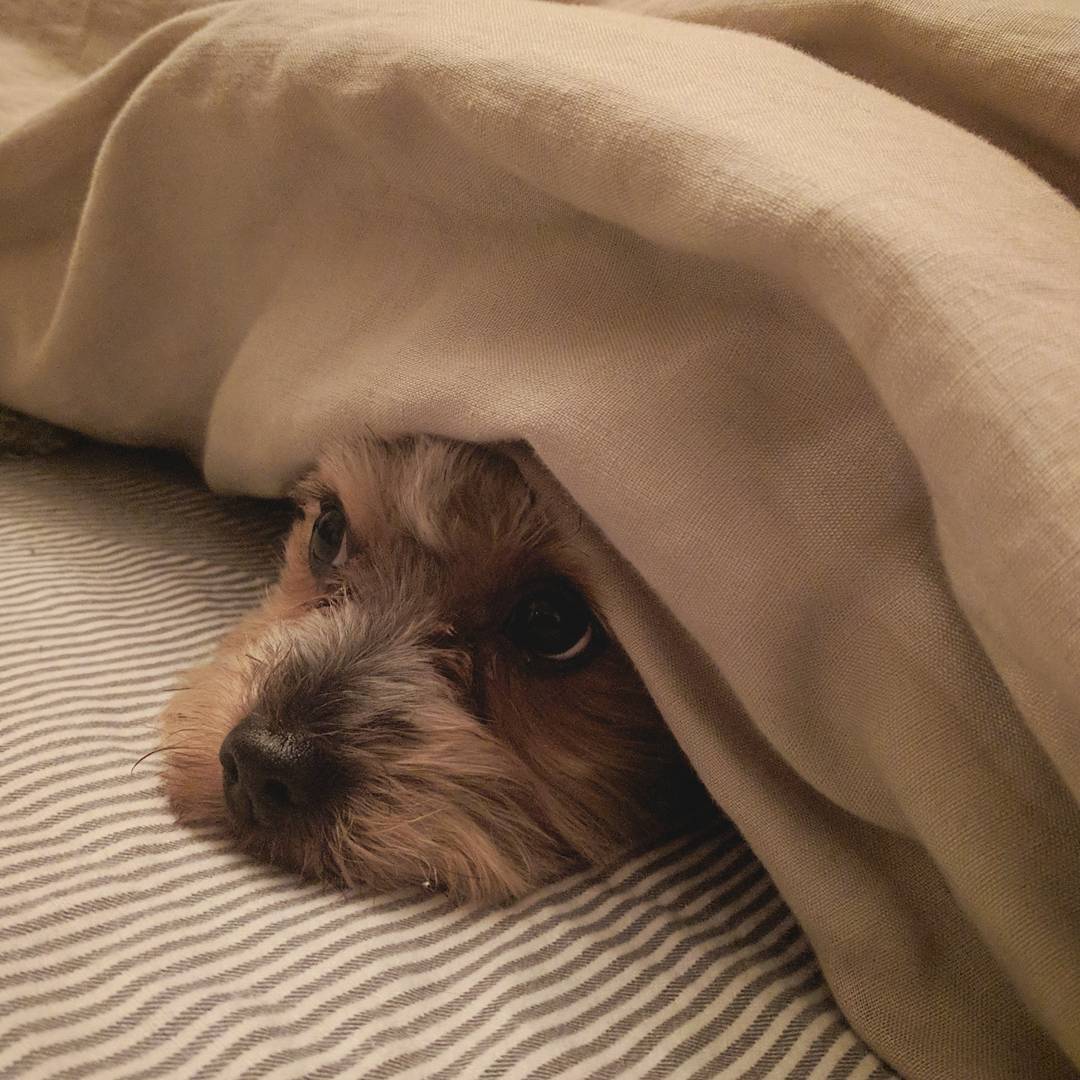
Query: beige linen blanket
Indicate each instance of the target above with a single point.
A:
(785, 296)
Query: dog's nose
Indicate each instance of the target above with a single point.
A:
(270, 775)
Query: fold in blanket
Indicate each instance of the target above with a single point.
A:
(797, 327)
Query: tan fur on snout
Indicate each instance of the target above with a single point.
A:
(464, 762)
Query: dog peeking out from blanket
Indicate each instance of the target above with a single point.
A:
(427, 696)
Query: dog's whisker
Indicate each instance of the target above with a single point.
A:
(184, 730)
(158, 750)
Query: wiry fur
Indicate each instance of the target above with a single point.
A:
(458, 762)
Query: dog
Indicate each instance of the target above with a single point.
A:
(428, 695)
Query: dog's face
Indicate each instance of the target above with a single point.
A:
(427, 695)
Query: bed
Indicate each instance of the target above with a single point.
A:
(776, 302)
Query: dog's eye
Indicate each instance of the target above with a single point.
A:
(329, 539)
(554, 622)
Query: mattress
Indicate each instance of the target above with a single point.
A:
(133, 948)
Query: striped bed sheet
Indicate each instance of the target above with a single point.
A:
(130, 948)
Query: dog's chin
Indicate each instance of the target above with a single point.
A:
(491, 884)
(367, 853)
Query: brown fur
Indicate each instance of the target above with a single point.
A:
(464, 764)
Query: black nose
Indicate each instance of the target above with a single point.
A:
(272, 776)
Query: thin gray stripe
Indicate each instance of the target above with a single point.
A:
(730, 876)
(143, 796)
(117, 613)
(386, 1008)
(163, 659)
(112, 624)
(140, 788)
(816, 1051)
(120, 657)
(154, 492)
(83, 735)
(199, 574)
(489, 938)
(725, 948)
(107, 679)
(237, 903)
(164, 654)
(783, 1046)
(734, 887)
(851, 1060)
(108, 772)
(77, 551)
(141, 706)
(199, 506)
(728, 947)
(749, 1039)
(280, 887)
(421, 915)
(433, 937)
(206, 540)
(167, 632)
(99, 765)
(73, 565)
(59, 916)
(180, 842)
(71, 569)
(34, 520)
(131, 722)
(156, 578)
(87, 934)
(38, 521)
(161, 593)
(162, 589)
(90, 847)
(103, 746)
(109, 757)
(746, 998)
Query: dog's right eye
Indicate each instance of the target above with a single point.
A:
(554, 623)
(329, 539)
